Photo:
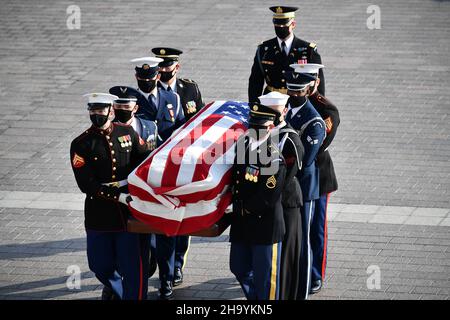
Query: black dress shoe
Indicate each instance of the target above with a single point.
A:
(152, 266)
(178, 277)
(165, 292)
(316, 286)
(108, 294)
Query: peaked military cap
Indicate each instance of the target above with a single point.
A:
(283, 15)
(310, 68)
(260, 114)
(146, 67)
(170, 55)
(298, 81)
(123, 94)
(99, 100)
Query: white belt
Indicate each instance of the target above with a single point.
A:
(117, 184)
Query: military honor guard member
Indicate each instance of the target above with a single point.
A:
(125, 109)
(273, 57)
(257, 224)
(156, 104)
(307, 121)
(101, 159)
(187, 89)
(327, 177)
(292, 150)
(191, 101)
(163, 107)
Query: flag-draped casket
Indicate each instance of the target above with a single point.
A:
(184, 185)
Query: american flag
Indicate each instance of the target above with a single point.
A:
(184, 185)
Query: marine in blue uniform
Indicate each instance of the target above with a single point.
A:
(191, 101)
(327, 183)
(101, 158)
(125, 109)
(273, 57)
(306, 120)
(165, 109)
(257, 224)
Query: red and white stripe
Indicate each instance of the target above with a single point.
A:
(176, 190)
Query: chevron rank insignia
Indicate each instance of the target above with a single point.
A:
(271, 182)
(78, 161)
(329, 124)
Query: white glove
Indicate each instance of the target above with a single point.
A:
(123, 198)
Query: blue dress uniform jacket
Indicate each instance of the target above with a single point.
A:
(311, 127)
(105, 156)
(270, 64)
(168, 115)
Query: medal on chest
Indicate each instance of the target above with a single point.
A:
(251, 174)
(125, 141)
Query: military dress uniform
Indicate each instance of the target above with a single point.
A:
(257, 223)
(187, 89)
(164, 108)
(271, 62)
(327, 184)
(101, 161)
(311, 127)
(292, 150)
(191, 102)
(148, 131)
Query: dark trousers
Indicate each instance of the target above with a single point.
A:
(319, 237)
(290, 254)
(307, 213)
(116, 260)
(256, 267)
(170, 253)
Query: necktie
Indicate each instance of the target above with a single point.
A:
(169, 88)
(289, 115)
(153, 100)
(284, 48)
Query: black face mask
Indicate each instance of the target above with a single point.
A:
(166, 76)
(99, 120)
(146, 86)
(297, 101)
(282, 32)
(123, 115)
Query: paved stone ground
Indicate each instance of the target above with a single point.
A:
(391, 152)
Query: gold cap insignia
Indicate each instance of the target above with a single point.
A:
(162, 51)
(145, 67)
(255, 108)
(279, 10)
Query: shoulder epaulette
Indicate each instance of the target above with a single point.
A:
(188, 80)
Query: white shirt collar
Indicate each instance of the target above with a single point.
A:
(173, 86)
(288, 42)
(296, 109)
